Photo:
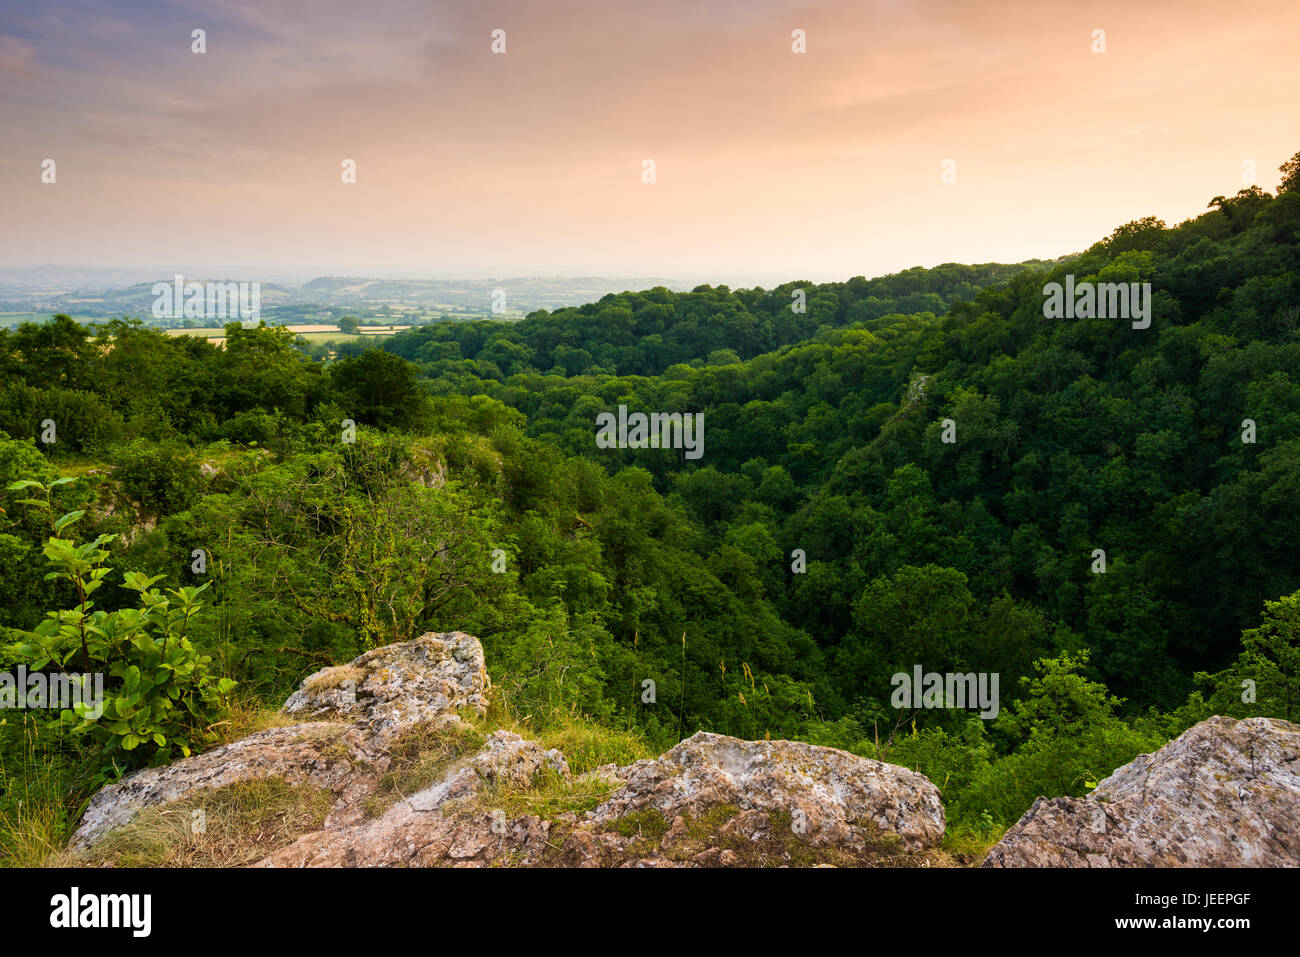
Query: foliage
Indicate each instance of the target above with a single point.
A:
(159, 698)
(651, 595)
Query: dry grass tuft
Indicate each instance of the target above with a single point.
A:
(333, 678)
(419, 758)
(233, 826)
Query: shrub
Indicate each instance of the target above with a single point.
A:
(159, 697)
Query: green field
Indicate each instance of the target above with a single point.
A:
(308, 333)
(14, 318)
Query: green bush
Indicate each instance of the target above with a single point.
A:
(162, 476)
(159, 697)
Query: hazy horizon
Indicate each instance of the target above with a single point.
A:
(770, 165)
(299, 275)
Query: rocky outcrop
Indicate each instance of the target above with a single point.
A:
(301, 754)
(358, 710)
(394, 739)
(710, 801)
(397, 686)
(829, 796)
(1225, 793)
(434, 826)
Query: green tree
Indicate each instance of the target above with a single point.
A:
(1290, 171)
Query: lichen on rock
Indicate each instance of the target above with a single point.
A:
(1224, 793)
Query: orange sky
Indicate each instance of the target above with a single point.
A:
(770, 165)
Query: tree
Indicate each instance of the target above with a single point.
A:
(1271, 656)
(1242, 208)
(1290, 171)
(1144, 233)
(380, 389)
(920, 616)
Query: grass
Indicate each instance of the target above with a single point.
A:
(969, 844)
(419, 758)
(333, 678)
(246, 716)
(549, 796)
(585, 744)
(317, 338)
(647, 824)
(41, 799)
(230, 827)
(78, 467)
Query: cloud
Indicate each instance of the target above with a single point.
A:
(16, 57)
(820, 164)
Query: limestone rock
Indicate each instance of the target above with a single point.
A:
(415, 832)
(712, 801)
(300, 754)
(365, 703)
(828, 796)
(397, 686)
(1224, 793)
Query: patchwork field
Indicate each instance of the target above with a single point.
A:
(313, 333)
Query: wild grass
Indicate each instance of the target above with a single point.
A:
(585, 743)
(229, 827)
(42, 793)
(419, 758)
(548, 796)
(334, 677)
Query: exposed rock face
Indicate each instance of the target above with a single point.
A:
(416, 832)
(1225, 793)
(710, 801)
(831, 796)
(303, 753)
(397, 686)
(365, 703)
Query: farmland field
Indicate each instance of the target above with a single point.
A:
(314, 334)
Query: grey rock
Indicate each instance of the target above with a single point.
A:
(1224, 793)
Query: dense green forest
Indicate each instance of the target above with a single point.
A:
(266, 510)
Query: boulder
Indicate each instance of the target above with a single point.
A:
(710, 801)
(416, 831)
(392, 688)
(357, 711)
(313, 754)
(1224, 793)
(828, 796)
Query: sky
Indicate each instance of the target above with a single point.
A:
(769, 165)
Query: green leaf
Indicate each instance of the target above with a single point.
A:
(65, 520)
